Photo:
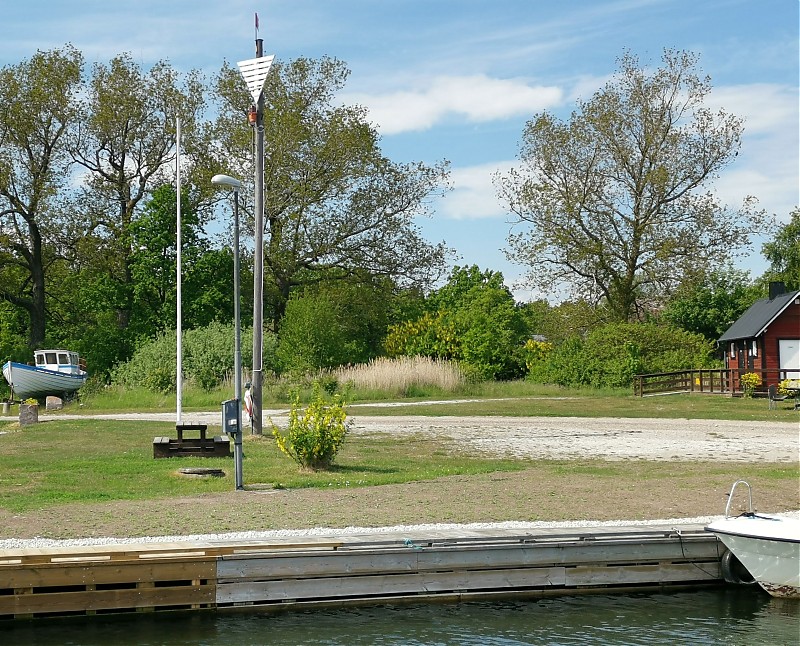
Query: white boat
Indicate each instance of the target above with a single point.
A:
(57, 372)
(760, 547)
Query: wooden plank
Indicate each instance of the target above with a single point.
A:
(51, 575)
(133, 551)
(369, 586)
(92, 600)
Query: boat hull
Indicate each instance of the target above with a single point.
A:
(768, 547)
(30, 381)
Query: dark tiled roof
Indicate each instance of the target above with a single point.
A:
(760, 314)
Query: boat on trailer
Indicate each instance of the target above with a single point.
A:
(55, 372)
(764, 548)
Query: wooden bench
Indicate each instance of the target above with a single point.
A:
(202, 446)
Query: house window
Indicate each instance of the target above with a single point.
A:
(755, 348)
(733, 350)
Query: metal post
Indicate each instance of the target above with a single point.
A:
(258, 264)
(235, 184)
(237, 352)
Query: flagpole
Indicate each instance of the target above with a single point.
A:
(179, 370)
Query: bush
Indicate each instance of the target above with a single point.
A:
(315, 334)
(611, 355)
(473, 320)
(314, 436)
(749, 382)
(208, 358)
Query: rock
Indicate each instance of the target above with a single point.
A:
(54, 403)
(28, 414)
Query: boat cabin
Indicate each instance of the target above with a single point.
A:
(59, 361)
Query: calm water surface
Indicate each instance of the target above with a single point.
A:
(730, 616)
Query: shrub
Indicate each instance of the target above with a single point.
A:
(314, 436)
(611, 355)
(315, 333)
(208, 356)
(749, 381)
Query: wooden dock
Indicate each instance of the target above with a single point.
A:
(359, 569)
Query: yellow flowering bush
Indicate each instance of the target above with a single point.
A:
(315, 434)
(749, 381)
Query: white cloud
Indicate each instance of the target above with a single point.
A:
(765, 107)
(476, 98)
(769, 162)
(474, 195)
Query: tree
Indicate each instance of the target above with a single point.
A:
(127, 143)
(617, 200)
(335, 323)
(783, 252)
(710, 304)
(38, 99)
(334, 204)
(472, 319)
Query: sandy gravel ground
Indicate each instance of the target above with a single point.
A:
(571, 437)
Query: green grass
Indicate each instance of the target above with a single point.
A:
(66, 461)
(590, 404)
(516, 398)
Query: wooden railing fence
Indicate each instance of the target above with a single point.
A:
(706, 380)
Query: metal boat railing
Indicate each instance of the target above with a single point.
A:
(749, 498)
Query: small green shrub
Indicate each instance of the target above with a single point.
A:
(314, 435)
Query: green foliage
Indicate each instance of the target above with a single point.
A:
(783, 252)
(615, 201)
(472, 319)
(313, 336)
(710, 304)
(208, 358)
(316, 434)
(336, 202)
(611, 355)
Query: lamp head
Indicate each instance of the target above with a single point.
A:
(227, 181)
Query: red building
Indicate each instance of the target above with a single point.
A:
(765, 339)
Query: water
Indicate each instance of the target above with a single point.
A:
(730, 616)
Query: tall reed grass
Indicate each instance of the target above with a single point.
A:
(402, 375)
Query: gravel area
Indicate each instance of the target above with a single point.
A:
(603, 438)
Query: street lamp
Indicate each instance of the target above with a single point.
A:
(231, 182)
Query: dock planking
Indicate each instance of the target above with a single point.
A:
(382, 567)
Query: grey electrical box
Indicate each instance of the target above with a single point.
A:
(230, 417)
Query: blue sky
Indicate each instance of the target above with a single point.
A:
(458, 79)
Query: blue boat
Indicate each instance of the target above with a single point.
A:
(56, 372)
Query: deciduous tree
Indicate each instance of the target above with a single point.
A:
(38, 109)
(783, 252)
(335, 205)
(616, 201)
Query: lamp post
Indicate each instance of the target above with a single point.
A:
(231, 182)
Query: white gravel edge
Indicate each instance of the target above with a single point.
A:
(259, 536)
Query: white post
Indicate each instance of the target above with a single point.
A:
(179, 327)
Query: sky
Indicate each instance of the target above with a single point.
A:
(459, 79)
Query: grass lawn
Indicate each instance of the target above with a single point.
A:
(66, 461)
(89, 477)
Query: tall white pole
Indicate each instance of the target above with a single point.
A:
(179, 327)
